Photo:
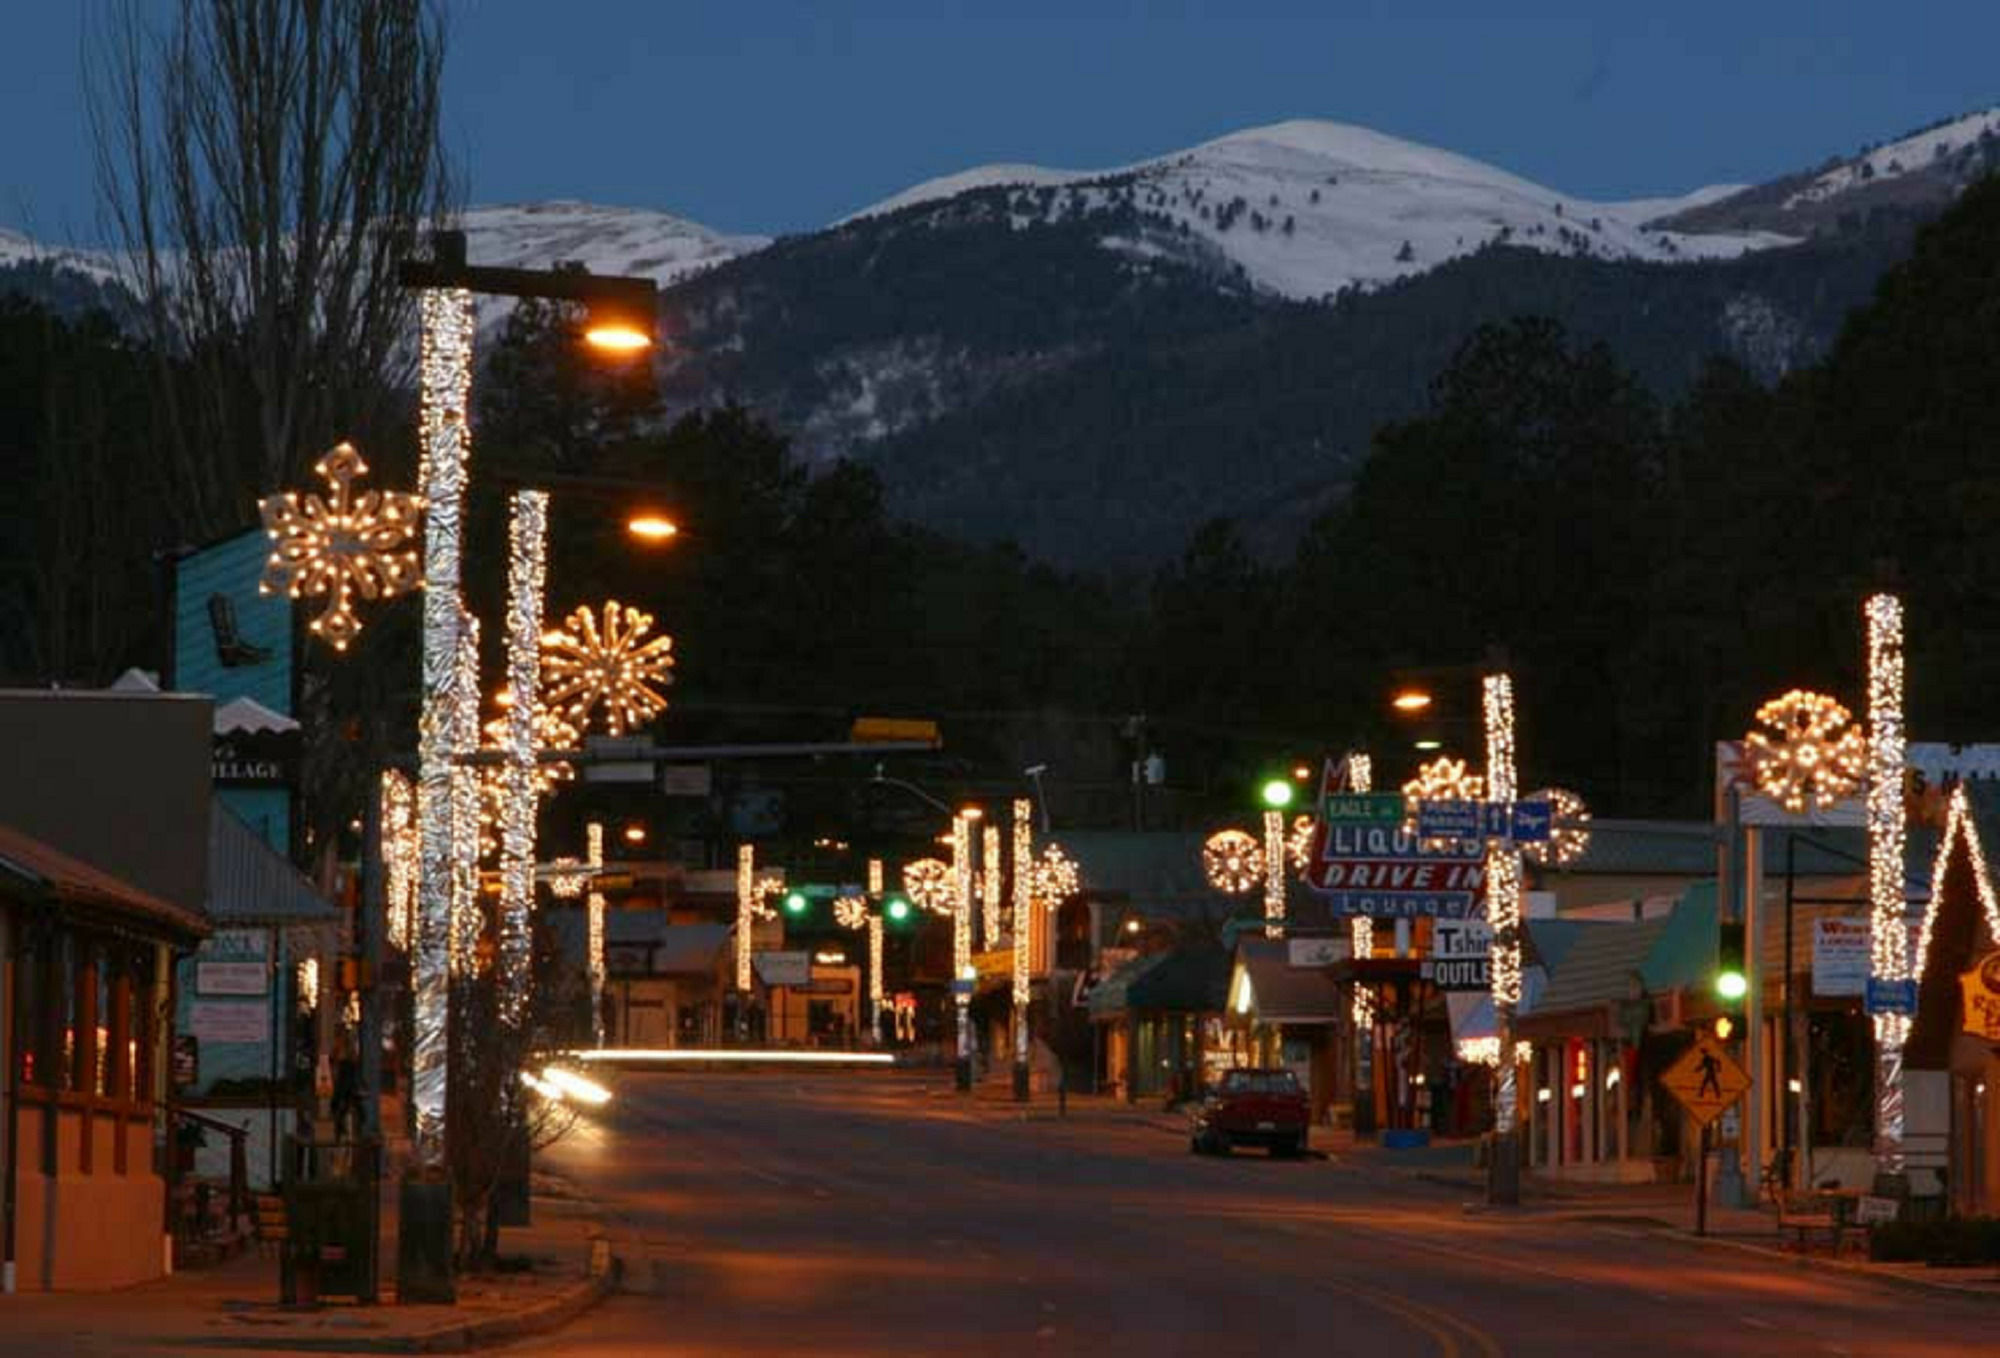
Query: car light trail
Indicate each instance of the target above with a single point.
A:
(749, 1056)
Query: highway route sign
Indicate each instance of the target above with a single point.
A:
(1706, 1080)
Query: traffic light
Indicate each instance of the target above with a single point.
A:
(896, 909)
(1277, 793)
(1724, 1026)
(796, 903)
(1732, 981)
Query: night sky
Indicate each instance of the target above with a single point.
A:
(761, 115)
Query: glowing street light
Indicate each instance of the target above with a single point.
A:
(1411, 700)
(652, 528)
(1277, 793)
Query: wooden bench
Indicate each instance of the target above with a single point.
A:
(1803, 1213)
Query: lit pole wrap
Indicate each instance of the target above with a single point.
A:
(446, 371)
(961, 942)
(746, 906)
(1274, 874)
(1024, 928)
(1503, 903)
(527, 537)
(875, 951)
(593, 840)
(1888, 932)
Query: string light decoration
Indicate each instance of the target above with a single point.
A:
(961, 930)
(1503, 894)
(1958, 824)
(305, 981)
(1233, 861)
(990, 885)
(927, 882)
(1810, 752)
(1055, 876)
(527, 543)
(1569, 829)
(1485, 1051)
(1274, 874)
(609, 666)
(445, 370)
(875, 877)
(1299, 842)
(593, 850)
(552, 732)
(468, 920)
(1024, 919)
(1888, 935)
(341, 546)
(851, 912)
(565, 877)
(746, 910)
(399, 858)
(1361, 929)
(875, 1005)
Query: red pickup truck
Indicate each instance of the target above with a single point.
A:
(1252, 1107)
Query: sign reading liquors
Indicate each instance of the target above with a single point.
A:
(1388, 872)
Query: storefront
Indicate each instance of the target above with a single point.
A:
(1160, 1023)
(1295, 1016)
(87, 964)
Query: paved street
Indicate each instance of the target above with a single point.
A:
(860, 1214)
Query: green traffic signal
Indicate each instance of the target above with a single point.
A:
(795, 903)
(1732, 985)
(896, 910)
(1732, 977)
(1277, 793)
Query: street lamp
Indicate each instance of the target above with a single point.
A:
(652, 528)
(447, 831)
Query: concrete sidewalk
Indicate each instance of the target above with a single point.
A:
(234, 1305)
(1668, 1209)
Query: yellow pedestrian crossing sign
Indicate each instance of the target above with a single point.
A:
(1706, 1079)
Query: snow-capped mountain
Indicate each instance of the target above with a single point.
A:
(1917, 172)
(605, 240)
(1308, 208)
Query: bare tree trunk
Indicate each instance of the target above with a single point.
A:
(266, 164)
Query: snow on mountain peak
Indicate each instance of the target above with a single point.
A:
(605, 240)
(1308, 207)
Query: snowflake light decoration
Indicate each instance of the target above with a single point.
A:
(1233, 861)
(851, 912)
(927, 882)
(342, 545)
(586, 666)
(1812, 751)
(1445, 779)
(1054, 878)
(1569, 829)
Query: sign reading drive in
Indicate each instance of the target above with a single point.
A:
(1385, 871)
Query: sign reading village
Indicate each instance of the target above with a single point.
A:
(1387, 872)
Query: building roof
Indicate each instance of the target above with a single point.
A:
(45, 870)
(1182, 981)
(1598, 967)
(1280, 992)
(249, 882)
(247, 715)
(1158, 870)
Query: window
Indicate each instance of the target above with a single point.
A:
(1260, 1082)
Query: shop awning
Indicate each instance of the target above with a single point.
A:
(1266, 988)
(47, 872)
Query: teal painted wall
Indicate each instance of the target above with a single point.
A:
(267, 810)
(231, 568)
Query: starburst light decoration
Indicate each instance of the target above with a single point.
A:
(851, 912)
(610, 667)
(1445, 779)
(1233, 861)
(1810, 753)
(341, 546)
(1569, 829)
(927, 882)
(1055, 876)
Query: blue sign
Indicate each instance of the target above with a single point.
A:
(1891, 997)
(1522, 822)
(962, 985)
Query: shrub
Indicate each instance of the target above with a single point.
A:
(1956, 1242)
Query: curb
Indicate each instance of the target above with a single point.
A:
(1907, 1281)
(452, 1336)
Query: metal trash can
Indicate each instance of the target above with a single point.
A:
(333, 1206)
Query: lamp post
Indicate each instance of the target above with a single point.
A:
(1503, 913)
(1024, 923)
(962, 972)
(449, 726)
